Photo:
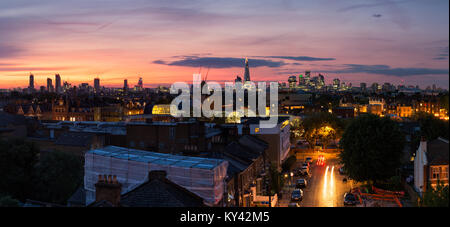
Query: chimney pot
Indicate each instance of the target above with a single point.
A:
(108, 189)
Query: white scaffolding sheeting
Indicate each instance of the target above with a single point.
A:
(202, 176)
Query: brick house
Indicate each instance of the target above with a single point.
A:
(431, 164)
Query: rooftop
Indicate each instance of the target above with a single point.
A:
(437, 152)
(157, 158)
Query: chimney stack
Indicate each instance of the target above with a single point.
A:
(109, 189)
(423, 144)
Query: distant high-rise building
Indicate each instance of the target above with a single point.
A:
(125, 85)
(140, 85)
(58, 83)
(238, 79)
(301, 80)
(247, 71)
(84, 87)
(363, 86)
(321, 81)
(336, 83)
(292, 81)
(49, 85)
(31, 84)
(386, 87)
(307, 77)
(374, 87)
(308, 74)
(97, 85)
(66, 86)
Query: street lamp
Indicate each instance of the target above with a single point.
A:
(292, 177)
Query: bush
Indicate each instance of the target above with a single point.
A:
(392, 184)
(8, 201)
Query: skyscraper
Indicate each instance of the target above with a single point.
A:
(307, 77)
(363, 86)
(49, 85)
(97, 85)
(336, 83)
(321, 80)
(125, 85)
(140, 84)
(292, 81)
(57, 83)
(308, 74)
(301, 80)
(247, 71)
(31, 85)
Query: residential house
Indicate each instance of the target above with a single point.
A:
(157, 191)
(431, 164)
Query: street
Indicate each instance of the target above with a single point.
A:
(325, 186)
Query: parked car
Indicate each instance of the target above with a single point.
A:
(309, 160)
(306, 164)
(297, 195)
(350, 199)
(341, 170)
(301, 183)
(294, 205)
(304, 171)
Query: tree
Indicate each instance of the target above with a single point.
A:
(372, 148)
(276, 181)
(443, 100)
(59, 176)
(8, 201)
(23, 176)
(430, 126)
(296, 129)
(435, 197)
(324, 127)
(17, 164)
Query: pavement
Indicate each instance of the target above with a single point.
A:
(325, 186)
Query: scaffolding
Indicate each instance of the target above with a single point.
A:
(202, 176)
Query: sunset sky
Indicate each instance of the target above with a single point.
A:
(165, 41)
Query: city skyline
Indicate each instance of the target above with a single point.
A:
(317, 81)
(163, 42)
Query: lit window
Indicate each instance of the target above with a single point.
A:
(435, 172)
(444, 173)
(256, 130)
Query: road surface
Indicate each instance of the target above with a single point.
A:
(325, 186)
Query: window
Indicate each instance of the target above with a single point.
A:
(256, 130)
(444, 173)
(435, 172)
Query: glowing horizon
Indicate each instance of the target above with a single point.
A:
(167, 41)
